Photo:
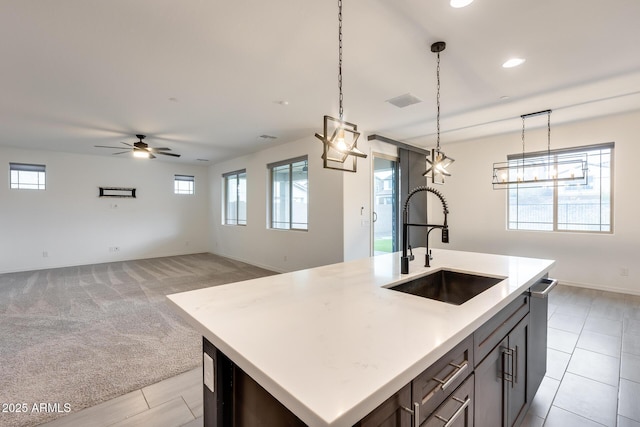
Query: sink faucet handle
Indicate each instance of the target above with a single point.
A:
(411, 257)
(430, 256)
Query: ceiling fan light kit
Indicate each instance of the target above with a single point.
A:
(141, 149)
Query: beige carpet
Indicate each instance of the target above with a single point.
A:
(77, 336)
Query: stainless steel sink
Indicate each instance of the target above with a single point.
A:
(448, 286)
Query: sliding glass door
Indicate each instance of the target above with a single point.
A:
(385, 204)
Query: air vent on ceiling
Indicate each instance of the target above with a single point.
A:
(266, 137)
(404, 100)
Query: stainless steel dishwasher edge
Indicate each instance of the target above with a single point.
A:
(538, 315)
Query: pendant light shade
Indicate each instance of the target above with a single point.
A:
(439, 162)
(538, 169)
(340, 138)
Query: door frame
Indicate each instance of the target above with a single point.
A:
(396, 208)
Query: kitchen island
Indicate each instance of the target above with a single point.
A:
(332, 343)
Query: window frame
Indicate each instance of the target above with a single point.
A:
(225, 177)
(184, 178)
(27, 167)
(290, 163)
(555, 197)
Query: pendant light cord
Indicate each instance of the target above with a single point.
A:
(438, 104)
(340, 112)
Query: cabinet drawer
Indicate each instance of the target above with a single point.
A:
(433, 386)
(487, 336)
(456, 410)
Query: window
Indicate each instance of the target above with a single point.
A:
(570, 207)
(289, 194)
(235, 197)
(183, 184)
(27, 177)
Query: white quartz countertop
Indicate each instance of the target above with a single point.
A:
(332, 343)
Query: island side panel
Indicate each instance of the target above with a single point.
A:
(238, 400)
(213, 401)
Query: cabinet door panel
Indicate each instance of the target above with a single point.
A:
(487, 336)
(489, 388)
(517, 389)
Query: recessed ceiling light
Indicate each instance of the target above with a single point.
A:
(281, 102)
(202, 160)
(513, 62)
(460, 3)
(172, 99)
(504, 97)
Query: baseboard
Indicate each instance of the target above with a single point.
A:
(615, 289)
(252, 262)
(100, 261)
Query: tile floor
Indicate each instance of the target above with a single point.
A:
(593, 373)
(593, 361)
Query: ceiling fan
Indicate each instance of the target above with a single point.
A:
(141, 149)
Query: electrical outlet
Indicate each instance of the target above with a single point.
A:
(209, 375)
(45, 254)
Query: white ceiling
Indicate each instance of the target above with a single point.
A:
(204, 77)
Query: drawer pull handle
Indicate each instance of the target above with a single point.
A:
(415, 413)
(452, 377)
(448, 422)
(515, 364)
(551, 283)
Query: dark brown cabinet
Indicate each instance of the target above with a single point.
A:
(434, 393)
(501, 381)
(437, 382)
(483, 382)
(392, 413)
(456, 410)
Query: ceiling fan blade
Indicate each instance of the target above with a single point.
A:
(126, 143)
(122, 152)
(160, 149)
(107, 146)
(168, 154)
(151, 156)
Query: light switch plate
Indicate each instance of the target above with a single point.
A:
(209, 376)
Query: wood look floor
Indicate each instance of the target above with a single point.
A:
(174, 402)
(593, 373)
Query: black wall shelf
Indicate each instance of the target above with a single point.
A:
(117, 192)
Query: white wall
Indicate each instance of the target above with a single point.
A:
(358, 200)
(74, 226)
(280, 250)
(478, 213)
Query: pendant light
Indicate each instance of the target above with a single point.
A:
(439, 162)
(340, 138)
(538, 169)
